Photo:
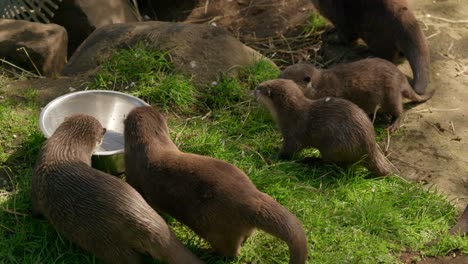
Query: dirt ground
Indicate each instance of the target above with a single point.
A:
(434, 146)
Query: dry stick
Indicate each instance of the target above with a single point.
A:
(9, 229)
(289, 47)
(388, 141)
(6, 210)
(453, 127)
(433, 35)
(430, 110)
(19, 68)
(409, 164)
(30, 60)
(207, 2)
(447, 20)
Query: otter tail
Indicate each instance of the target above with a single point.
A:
(461, 227)
(415, 48)
(378, 163)
(408, 93)
(276, 220)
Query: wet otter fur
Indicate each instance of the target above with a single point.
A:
(212, 197)
(339, 129)
(97, 211)
(387, 26)
(369, 83)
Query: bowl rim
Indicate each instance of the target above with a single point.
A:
(46, 108)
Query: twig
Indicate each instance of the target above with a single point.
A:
(19, 68)
(409, 164)
(447, 20)
(453, 127)
(430, 110)
(30, 60)
(388, 141)
(9, 229)
(433, 35)
(6, 210)
(289, 47)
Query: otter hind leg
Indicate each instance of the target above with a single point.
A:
(395, 124)
(395, 108)
(228, 243)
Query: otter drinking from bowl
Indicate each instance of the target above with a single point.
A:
(97, 211)
(387, 26)
(370, 84)
(212, 197)
(339, 129)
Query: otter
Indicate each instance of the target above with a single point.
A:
(339, 129)
(388, 27)
(369, 83)
(95, 210)
(212, 197)
(461, 227)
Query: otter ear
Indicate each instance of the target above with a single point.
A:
(307, 79)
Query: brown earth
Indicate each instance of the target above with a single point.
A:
(434, 146)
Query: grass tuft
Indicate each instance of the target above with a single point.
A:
(148, 74)
(315, 23)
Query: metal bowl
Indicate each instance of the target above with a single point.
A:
(109, 107)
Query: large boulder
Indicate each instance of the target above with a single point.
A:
(82, 17)
(202, 51)
(45, 44)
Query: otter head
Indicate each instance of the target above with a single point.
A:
(279, 95)
(303, 74)
(81, 131)
(145, 123)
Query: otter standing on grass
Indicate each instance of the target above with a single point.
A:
(387, 26)
(97, 211)
(212, 197)
(369, 83)
(339, 129)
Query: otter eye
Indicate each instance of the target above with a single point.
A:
(307, 79)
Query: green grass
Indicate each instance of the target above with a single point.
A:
(149, 75)
(315, 23)
(348, 217)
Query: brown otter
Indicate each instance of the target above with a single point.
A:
(339, 129)
(369, 83)
(387, 26)
(97, 211)
(212, 197)
(461, 227)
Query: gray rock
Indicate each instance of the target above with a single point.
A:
(46, 45)
(202, 51)
(82, 17)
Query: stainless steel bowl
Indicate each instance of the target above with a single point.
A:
(109, 107)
